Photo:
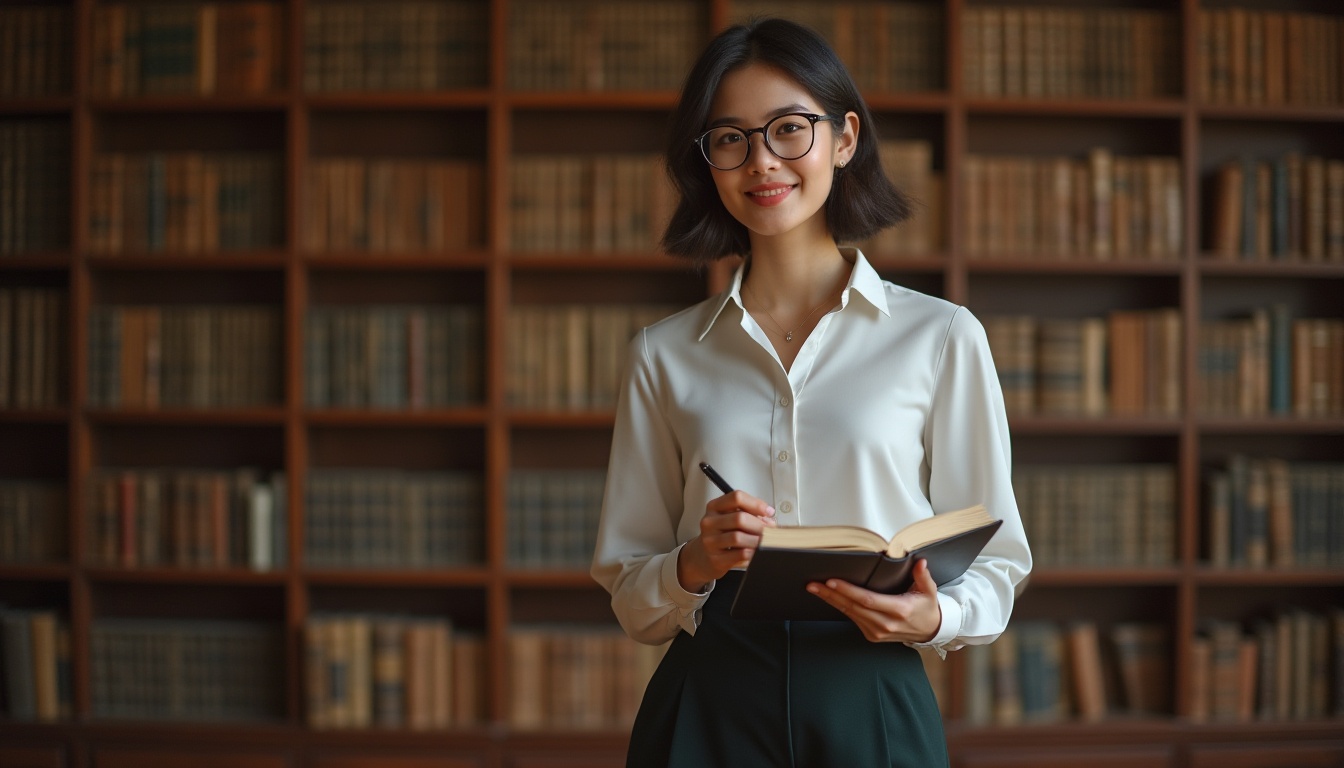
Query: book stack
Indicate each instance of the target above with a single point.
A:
(395, 206)
(1104, 208)
(1284, 209)
(370, 518)
(1042, 671)
(1249, 56)
(1271, 513)
(576, 677)
(202, 49)
(1271, 363)
(184, 202)
(588, 203)
(184, 357)
(887, 46)
(34, 183)
(1285, 667)
(909, 165)
(603, 45)
(571, 356)
(553, 516)
(1127, 363)
(1057, 53)
(1110, 516)
(402, 46)
(32, 347)
(35, 50)
(33, 522)
(148, 518)
(394, 357)
(35, 651)
(415, 673)
(215, 671)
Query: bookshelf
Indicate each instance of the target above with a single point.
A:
(444, 100)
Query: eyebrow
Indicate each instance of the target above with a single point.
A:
(731, 120)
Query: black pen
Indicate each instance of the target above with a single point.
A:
(714, 476)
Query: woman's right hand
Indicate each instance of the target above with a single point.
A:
(729, 533)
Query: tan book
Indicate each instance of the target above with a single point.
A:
(1086, 673)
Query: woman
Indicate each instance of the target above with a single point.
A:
(826, 396)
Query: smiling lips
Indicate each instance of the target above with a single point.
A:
(769, 194)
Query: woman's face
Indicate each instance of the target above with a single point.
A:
(769, 196)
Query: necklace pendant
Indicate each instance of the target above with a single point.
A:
(788, 336)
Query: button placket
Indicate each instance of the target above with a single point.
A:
(785, 465)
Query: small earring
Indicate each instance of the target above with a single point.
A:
(842, 163)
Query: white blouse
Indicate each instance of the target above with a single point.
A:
(891, 412)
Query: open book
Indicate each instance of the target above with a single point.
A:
(775, 583)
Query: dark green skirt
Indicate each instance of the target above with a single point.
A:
(778, 693)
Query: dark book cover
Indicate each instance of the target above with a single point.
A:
(775, 584)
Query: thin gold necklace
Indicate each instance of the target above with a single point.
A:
(788, 335)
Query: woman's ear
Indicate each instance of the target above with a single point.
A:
(848, 140)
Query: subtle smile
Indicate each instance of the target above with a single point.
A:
(769, 195)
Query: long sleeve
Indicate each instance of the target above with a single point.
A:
(970, 462)
(637, 545)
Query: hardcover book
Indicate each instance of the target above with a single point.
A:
(775, 583)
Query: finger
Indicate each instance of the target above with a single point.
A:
(924, 579)
(740, 500)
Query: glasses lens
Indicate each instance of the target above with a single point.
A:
(789, 136)
(725, 148)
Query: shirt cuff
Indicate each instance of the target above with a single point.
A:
(948, 630)
(688, 603)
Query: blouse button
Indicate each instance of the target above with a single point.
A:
(784, 401)
(785, 506)
(783, 455)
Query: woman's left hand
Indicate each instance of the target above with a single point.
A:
(913, 617)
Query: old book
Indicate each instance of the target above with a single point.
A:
(775, 583)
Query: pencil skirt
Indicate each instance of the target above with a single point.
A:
(800, 694)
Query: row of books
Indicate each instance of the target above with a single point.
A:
(887, 46)
(188, 518)
(600, 202)
(1102, 208)
(1126, 363)
(1271, 513)
(34, 184)
(1289, 666)
(1037, 52)
(378, 46)
(1042, 671)
(36, 43)
(184, 356)
(390, 206)
(603, 45)
(35, 668)
(909, 165)
(184, 202)
(1252, 56)
(1110, 515)
(388, 518)
(33, 527)
(379, 671)
(394, 357)
(198, 48)
(187, 670)
(552, 517)
(1271, 363)
(572, 356)
(1290, 207)
(32, 337)
(576, 677)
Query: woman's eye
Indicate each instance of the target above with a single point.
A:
(729, 138)
(787, 128)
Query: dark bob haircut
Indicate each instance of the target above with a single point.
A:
(862, 201)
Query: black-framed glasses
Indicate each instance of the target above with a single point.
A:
(789, 137)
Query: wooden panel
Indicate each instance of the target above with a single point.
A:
(32, 757)
(608, 760)
(1285, 755)
(178, 758)
(374, 760)
(1067, 758)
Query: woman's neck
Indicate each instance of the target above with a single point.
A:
(790, 279)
